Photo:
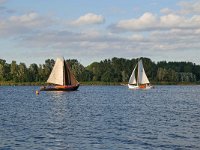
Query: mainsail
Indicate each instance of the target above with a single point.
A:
(57, 75)
(142, 77)
(61, 74)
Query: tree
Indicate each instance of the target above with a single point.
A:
(107, 76)
(22, 73)
(13, 71)
(76, 68)
(41, 73)
(2, 72)
(96, 71)
(86, 75)
(2, 69)
(33, 73)
(48, 66)
(108, 70)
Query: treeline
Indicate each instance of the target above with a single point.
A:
(108, 70)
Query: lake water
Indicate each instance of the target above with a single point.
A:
(100, 117)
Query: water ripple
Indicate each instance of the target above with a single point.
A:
(100, 117)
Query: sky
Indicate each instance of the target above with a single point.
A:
(32, 31)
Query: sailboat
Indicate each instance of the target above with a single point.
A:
(142, 82)
(62, 78)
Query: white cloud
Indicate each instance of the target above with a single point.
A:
(186, 8)
(166, 11)
(137, 37)
(29, 20)
(171, 21)
(190, 7)
(89, 18)
(24, 24)
(145, 22)
(150, 22)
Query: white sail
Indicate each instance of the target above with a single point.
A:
(142, 77)
(57, 74)
(132, 79)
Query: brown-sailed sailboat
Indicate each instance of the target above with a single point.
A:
(62, 78)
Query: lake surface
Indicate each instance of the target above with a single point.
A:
(100, 117)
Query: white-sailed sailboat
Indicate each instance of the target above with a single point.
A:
(142, 82)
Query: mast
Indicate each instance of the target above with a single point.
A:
(64, 72)
(138, 73)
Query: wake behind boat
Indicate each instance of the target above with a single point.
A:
(142, 82)
(62, 78)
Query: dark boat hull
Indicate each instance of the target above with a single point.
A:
(60, 88)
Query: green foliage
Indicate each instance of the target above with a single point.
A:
(86, 76)
(47, 67)
(22, 73)
(76, 68)
(113, 70)
(2, 72)
(33, 73)
(13, 71)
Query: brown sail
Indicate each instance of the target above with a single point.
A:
(69, 77)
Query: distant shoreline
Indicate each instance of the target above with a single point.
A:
(10, 83)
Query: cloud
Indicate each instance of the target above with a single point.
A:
(166, 11)
(63, 38)
(145, 22)
(185, 8)
(87, 19)
(149, 35)
(165, 34)
(150, 22)
(4, 10)
(176, 39)
(190, 7)
(24, 24)
(29, 20)
(97, 44)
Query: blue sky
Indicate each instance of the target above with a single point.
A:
(34, 30)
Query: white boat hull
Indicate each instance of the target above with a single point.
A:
(138, 87)
(133, 86)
